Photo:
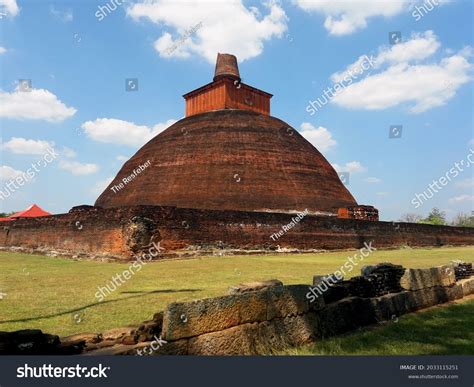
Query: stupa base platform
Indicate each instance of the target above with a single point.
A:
(126, 232)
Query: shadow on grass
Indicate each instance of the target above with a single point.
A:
(138, 294)
(443, 331)
(160, 291)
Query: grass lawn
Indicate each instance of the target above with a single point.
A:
(443, 330)
(57, 295)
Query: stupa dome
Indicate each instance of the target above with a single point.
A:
(228, 153)
(230, 160)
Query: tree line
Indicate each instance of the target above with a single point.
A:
(438, 217)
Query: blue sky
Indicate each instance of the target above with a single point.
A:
(78, 61)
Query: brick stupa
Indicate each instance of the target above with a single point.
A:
(228, 153)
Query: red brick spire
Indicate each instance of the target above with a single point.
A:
(226, 67)
(227, 91)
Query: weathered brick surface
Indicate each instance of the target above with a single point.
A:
(103, 232)
(416, 279)
(219, 145)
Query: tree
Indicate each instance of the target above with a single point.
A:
(436, 217)
(410, 218)
(463, 220)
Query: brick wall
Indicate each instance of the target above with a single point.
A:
(113, 232)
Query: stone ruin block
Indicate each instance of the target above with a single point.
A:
(253, 286)
(462, 270)
(237, 340)
(391, 305)
(345, 315)
(467, 286)
(425, 298)
(188, 319)
(329, 279)
(290, 301)
(256, 338)
(452, 293)
(417, 279)
(29, 342)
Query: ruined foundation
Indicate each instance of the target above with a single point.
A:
(122, 233)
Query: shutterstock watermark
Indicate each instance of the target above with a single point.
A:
(48, 371)
(154, 346)
(338, 87)
(425, 8)
(19, 181)
(338, 275)
(120, 278)
(284, 229)
(438, 184)
(108, 8)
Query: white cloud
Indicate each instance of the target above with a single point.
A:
(113, 131)
(346, 17)
(77, 168)
(404, 80)
(7, 173)
(99, 187)
(383, 193)
(373, 180)
(227, 26)
(68, 163)
(355, 69)
(21, 145)
(3, 50)
(351, 167)
(10, 7)
(461, 199)
(419, 47)
(36, 104)
(122, 158)
(466, 183)
(65, 16)
(320, 137)
(68, 152)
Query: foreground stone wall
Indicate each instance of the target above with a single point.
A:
(124, 232)
(249, 322)
(276, 318)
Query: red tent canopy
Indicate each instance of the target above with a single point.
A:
(31, 212)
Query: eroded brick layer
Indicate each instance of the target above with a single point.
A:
(124, 232)
(230, 160)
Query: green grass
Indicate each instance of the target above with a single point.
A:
(46, 293)
(444, 330)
